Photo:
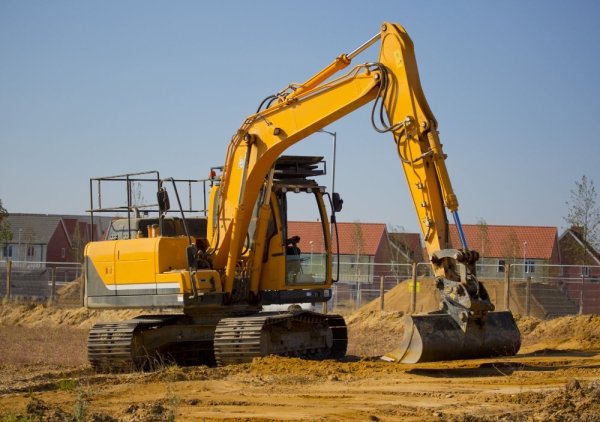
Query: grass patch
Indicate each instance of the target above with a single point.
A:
(66, 384)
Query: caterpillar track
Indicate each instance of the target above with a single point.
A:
(306, 334)
(147, 342)
(112, 346)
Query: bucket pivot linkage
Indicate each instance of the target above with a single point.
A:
(465, 327)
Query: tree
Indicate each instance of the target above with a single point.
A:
(399, 251)
(27, 238)
(584, 219)
(78, 245)
(510, 247)
(358, 245)
(482, 236)
(483, 241)
(5, 234)
(137, 198)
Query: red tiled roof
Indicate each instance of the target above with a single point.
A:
(541, 241)
(311, 231)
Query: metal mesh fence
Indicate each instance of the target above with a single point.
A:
(60, 282)
(550, 291)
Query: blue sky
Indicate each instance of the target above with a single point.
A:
(90, 89)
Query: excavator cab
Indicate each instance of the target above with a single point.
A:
(297, 255)
(307, 257)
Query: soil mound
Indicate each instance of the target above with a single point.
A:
(35, 314)
(580, 332)
(546, 300)
(69, 294)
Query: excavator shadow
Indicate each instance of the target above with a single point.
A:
(558, 353)
(545, 360)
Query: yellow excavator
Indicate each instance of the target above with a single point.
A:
(221, 270)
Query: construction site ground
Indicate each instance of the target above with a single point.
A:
(555, 377)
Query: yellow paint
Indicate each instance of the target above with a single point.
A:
(398, 57)
(411, 287)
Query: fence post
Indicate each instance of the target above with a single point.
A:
(507, 288)
(581, 299)
(496, 295)
(528, 296)
(381, 294)
(82, 286)
(413, 296)
(8, 275)
(53, 289)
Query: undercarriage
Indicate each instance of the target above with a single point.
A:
(151, 341)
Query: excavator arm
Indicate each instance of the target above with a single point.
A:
(392, 84)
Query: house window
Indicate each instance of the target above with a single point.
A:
(7, 252)
(585, 271)
(529, 267)
(30, 251)
(501, 266)
(63, 253)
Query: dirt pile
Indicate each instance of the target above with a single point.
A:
(580, 332)
(576, 402)
(546, 300)
(35, 314)
(37, 409)
(70, 293)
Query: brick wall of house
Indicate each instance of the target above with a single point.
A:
(58, 242)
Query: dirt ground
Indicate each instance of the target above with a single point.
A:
(555, 377)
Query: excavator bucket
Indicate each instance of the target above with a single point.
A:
(438, 337)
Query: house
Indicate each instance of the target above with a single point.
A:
(577, 252)
(366, 252)
(360, 244)
(406, 247)
(40, 238)
(580, 272)
(524, 247)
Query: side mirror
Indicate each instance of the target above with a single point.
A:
(163, 200)
(337, 202)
